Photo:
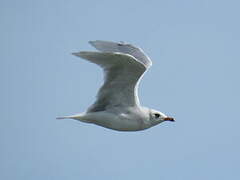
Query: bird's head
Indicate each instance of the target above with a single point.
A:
(157, 117)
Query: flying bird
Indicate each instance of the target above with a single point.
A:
(117, 105)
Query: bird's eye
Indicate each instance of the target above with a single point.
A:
(157, 115)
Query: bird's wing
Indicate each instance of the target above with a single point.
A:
(122, 72)
(107, 46)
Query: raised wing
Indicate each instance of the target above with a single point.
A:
(122, 72)
(107, 46)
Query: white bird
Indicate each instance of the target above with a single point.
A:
(117, 105)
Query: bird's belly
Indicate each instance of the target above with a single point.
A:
(120, 124)
(112, 121)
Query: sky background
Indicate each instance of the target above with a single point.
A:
(194, 46)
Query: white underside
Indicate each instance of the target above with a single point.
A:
(120, 122)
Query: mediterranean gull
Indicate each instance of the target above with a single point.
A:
(117, 105)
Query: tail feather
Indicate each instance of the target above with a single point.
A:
(64, 117)
(76, 116)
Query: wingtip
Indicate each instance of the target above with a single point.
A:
(75, 53)
(93, 43)
(60, 118)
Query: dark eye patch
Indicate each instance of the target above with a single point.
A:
(157, 115)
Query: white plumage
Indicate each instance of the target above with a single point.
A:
(117, 105)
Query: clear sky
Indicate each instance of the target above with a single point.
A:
(194, 46)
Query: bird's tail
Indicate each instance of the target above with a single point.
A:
(64, 117)
(76, 116)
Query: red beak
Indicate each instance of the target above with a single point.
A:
(169, 119)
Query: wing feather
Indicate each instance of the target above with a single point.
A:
(107, 46)
(122, 72)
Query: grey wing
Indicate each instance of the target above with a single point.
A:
(122, 72)
(107, 46)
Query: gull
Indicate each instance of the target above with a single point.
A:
(117, 106)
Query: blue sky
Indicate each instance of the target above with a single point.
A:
(194, 46)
